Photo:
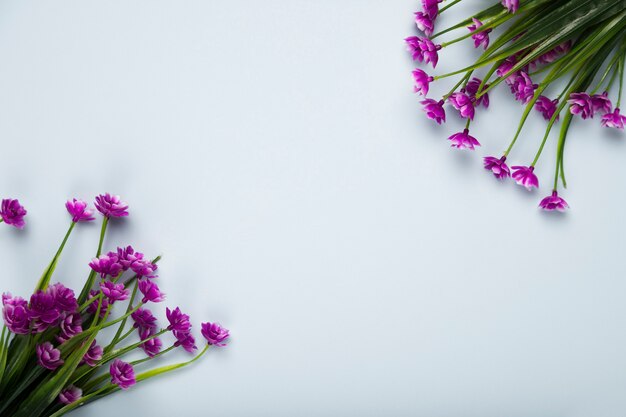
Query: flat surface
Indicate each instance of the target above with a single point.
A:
(275, 154)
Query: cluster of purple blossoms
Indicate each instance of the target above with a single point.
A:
(12, 213)
(587, 106)
(180, 327)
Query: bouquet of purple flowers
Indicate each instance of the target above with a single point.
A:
(52, 358)
(579, 43)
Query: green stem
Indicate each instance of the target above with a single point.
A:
(116, 338)
(447, 6)
(92, 275)
(47, 274)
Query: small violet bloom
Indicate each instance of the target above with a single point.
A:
(114, 292)
(511, 5)
(482, 37)
(424, 23)
(48, 356)
(215, 334)
(93, 355)
(144, 320)
(497, 166)
(79, 211)
(422, 82)
(70, 326)
(553, 203)
(152, 347)
(463, 140)
(179, 322)
(122, 374)
(423, 50)
(434, 110)
(15, 314)
(525, 176)
(523, 87)
(106, 265)
(472, 89)
(431, 8)
(111, 205)
(70, 395)
(580, 104)
(546, 107)
(601, 103)
(150, 291)
(12, 213)
(64, 298)
(464, 104)
(186, 340)
(43, 311)
(614, 120)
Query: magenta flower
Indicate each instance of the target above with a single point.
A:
(553, 203)
(422, 82)
(114, 292)
(471, 88)
(464, 104)
(152, 347)
(463, 140)
(144, 320)
(511, 5)
(48, 356)
(12, 213)
(93, 307)
(580, 104)
(482, 37)
(431, 7)
(423, 50)
(79, 211)
(111, 205)
(70, 325)
(553, 54)
(546, 107)
(186, 340)
(43, 311)
(144, 268)
(601, 104)
(505, 70)
(122, 374)
(106, 265)
(15, 314)
(523, 87)
(424, 23)
(614, 120)
(179, 322)
(93, 355)
(497, 166)
(150, 291)
(215, 334)
(434, 110)
(64, 298)
(525, 176)
(70, 395)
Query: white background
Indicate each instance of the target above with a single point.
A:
(275, 154)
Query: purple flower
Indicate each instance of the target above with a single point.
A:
(152, 346)
(186, 340)
(497, 166)
(523, 87)
(48, 356)
(463, 140)
(144, 320)
(553, 203)
(471, 88)
(70, 326)
(150, 291)
(580, 103)
(12, 213)
(111, 205)
(601, 103)
(505, 70)
(70, 395)
(525, 176)
(15, 314)
(43, 311)
(93, 307)
(215, 334)
(614, 120)
(106, 265)
(64, 298)
(434, 110)
(122, 374)
(553, 54)
(79, 211)
(424, 23)
(546, 107)
(464, 104)
(144, 268)
(114, 292)
(129, 259)
(431, 7)
(93, 355)
(422, 81)
(179, 322)
(482, 37)
(423, 50)
(511, 5)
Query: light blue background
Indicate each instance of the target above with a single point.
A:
(274, 153)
